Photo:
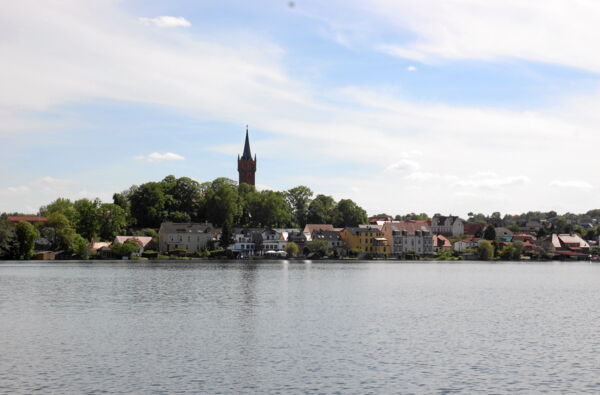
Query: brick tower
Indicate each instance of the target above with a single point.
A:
(247, 165)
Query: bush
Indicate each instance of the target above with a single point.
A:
(485, 251)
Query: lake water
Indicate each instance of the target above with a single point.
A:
(81, 328)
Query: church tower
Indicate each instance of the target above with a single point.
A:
(247, 165)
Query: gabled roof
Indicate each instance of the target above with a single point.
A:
(144, 240)
(186, 227)
(309, 228)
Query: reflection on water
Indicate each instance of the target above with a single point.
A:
(298, 327)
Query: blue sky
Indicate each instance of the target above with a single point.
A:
(402, 106)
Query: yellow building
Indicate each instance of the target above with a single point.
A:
(369, 239)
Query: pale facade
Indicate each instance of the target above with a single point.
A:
(191, 237)
(447, 225)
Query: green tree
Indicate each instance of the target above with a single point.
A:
(292, 249)
(317, 247)
(321, 210)
(182, 197)
(61, 206)
(485, 251)
(489, 233)
(226, 234)
(61, 233)
(26, 235)
(7, 240)
(348, 213)
(269, 208)
(221, 202)
(299, 199)
(88, 222)
(112, 219)
(148, 205)
(126, 249)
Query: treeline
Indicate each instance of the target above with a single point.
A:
(140, 210)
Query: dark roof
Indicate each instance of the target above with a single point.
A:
(247, 153)
(369, 229)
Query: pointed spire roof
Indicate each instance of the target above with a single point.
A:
(247, 154)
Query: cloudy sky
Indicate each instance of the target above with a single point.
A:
(401, 105)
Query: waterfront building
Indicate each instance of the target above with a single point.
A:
(567, 246)
(191, 237)
(247, 165)
(143, 241)
(447, 225)
(333, 239)
(441, 243)
(410, 237)
(369, 239)
(468, 243)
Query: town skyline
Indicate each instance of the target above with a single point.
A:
(361, 101)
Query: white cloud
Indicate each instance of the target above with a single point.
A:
(491, 181)
(404, 166)
(572, 184)
(492, 29)
(411, 68)
(158, 157)
(166, 21)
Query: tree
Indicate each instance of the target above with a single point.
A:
(226, 234)
(7, 240)
(485, 251)
(148, 205)
(182, 193)
(292, 248)
(26, 235)
(60, 232)
(348, 213)
(299, 199)
(127, 248)
(269, 208)
(221, 201)
(112, 219)
(489, 233)
(88, 223)
(61, 206)
(317, 247)
(321, 210)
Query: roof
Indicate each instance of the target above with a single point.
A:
(441, 241)
(99, 244)
(144, 240)
(186, 227)
(247, 153)
(471, 228)
(326, 235)
(28, 218)
(358, 230)
(309, 228)
(408, 226)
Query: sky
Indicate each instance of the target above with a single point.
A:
(401, 105)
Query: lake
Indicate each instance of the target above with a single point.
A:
(283, 327)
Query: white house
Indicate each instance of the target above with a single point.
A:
(447, 225)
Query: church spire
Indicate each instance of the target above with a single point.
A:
(247, 154)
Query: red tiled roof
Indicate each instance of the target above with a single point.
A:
(29, 218)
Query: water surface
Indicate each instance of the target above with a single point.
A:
(73, 328)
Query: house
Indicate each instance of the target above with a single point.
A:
(368, 239)
(531, 226)
(468, 243)
(143, 241)
(472, 229)
(32, 219)
(188, 236)
(441, 243)
(447, 225)
(300, 238)
(45, 255)
(504, 234)
(523, 237)
(409, 237)
(333, 239)
(275, 239)
(101, 248)
(568, 246)
(376, 220)
(246, 241)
